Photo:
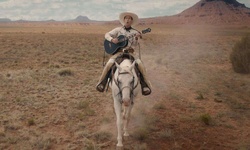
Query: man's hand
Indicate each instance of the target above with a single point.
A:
(115, 40)
(138, 35)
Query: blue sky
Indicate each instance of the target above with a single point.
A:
(103, 10)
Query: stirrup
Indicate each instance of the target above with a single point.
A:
(102, 84)
(146, 92)
(100, 87)
(144, 85)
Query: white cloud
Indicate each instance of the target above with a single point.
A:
(95, 9)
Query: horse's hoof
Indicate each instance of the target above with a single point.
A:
(119, 145)
(119, 148)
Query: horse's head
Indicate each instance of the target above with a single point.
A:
(126, 82)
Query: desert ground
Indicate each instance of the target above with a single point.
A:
(48, 98)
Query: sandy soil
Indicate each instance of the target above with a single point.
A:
(48, 98)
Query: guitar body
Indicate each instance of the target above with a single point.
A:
(112, 48)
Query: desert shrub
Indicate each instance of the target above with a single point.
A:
(31, 122)
(206, 119)
(167, 133)
(200, 96)
(65, 72)
(141, 134)
(159, 106)
(102, 136)
(42, 143)
(83, 105)
(240, 55)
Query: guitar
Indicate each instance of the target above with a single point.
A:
(112, 48)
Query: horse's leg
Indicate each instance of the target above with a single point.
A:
(118, 112)
(126, 117)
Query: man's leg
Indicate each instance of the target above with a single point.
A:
(145, 84)
(103, 79)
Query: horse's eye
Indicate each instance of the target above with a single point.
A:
(133, 80)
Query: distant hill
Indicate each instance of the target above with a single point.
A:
(77, 19)
(5, 20)
(209, 12)
(80, 19)
(217, 11)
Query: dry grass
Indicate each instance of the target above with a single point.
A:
(48, 98)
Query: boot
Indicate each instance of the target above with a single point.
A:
(145, 84)
(104, 77)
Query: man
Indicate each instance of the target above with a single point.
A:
(128, 20)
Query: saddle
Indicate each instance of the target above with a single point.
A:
(109, 76)
(119, 59)
(124, 55)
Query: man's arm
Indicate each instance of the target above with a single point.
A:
(112, 34)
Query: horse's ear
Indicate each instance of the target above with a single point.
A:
(132, 66)
(118, 66)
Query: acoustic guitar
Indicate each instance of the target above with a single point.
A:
(112, 48)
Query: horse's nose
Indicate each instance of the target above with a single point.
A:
(126, 102)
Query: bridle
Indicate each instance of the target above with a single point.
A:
(131, 87)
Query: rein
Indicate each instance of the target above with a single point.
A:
(132, 87)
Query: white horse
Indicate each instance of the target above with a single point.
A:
(125, 86)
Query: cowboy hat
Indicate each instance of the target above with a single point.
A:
(134, 16)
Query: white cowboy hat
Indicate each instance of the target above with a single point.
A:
(134, 16)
